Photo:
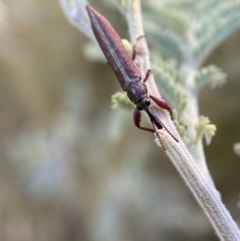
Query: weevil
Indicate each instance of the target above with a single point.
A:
(126, 71)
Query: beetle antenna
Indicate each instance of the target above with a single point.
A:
(158, 136)
(155, 121)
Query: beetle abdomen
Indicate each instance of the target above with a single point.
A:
(113, 49)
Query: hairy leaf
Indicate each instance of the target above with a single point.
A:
(210, 75)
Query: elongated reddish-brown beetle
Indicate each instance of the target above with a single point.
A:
(126, 71)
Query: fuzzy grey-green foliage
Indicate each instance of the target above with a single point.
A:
(182, 34)
(215, 22)
(208, 22)
(167, 41)
(169, 80)
(211, 75)
(120, 100)
(170, 18)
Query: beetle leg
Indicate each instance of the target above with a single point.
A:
(155, 123)
(158, 136)
(137, 120)
(134, 52)
(141, 36)
(147, 75)
(162, 104)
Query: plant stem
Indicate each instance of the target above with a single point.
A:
(206, 195)
(134, 19)
(200, 185)
(191, 117)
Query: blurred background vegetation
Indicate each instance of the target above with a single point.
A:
(72, 168)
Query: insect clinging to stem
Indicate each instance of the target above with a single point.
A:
(126, 71)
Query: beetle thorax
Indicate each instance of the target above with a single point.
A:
(138, 94)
